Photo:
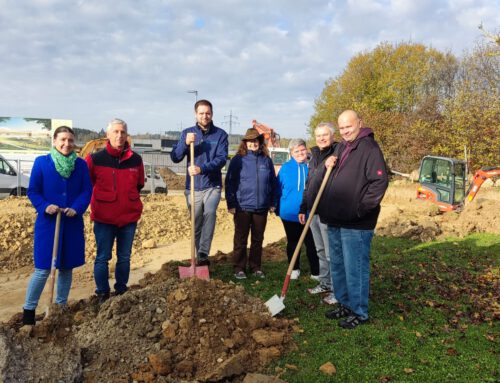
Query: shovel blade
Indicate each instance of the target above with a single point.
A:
(200, 272)
(275, 305)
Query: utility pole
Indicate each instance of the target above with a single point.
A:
(195, 92)
(231, 122)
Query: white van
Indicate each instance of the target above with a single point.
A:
(9, 179)
(155, 183)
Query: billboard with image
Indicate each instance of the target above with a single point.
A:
(28, 135)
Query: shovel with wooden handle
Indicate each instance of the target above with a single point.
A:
(55, 247)
(200, 272)
(275, 304)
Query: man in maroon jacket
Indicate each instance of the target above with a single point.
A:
(117, 175)
(350, 207)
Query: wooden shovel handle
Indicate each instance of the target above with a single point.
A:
(193, 250)
(304, 231)
(55, 247)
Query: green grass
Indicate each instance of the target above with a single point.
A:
(432, 318)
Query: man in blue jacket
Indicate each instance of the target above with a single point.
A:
(210, 154)
(350, 207)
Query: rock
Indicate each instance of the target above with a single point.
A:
(268, 354)
(149, 244)
(328, 368)
(234, 365)
(268, 338)
(259, 378)
(169, 329)
(161, 362)
(185, 367)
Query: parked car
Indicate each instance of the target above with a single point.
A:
(9, 179)
(155, 183)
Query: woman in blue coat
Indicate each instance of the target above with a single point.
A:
(59, 181)
(292, 180)
(251, 192)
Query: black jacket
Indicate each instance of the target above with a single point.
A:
(358, 182)
(315, 175)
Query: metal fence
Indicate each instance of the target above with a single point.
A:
(163, 160)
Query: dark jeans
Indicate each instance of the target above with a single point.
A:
(350, 267)
(105, 235)
(244, 223)
(293, 232)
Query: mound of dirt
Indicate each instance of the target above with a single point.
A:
(174, 181)
(165, 220)
(404, 216)
(161, 331)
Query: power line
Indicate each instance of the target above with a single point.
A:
(231, 121)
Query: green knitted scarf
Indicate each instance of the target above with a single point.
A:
(64, 164)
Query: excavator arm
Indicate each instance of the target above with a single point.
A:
(479, 177)
(271, 138)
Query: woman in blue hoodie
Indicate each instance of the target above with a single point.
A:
(291, 180)
(251, 192)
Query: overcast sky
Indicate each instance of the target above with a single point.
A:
(93, 60)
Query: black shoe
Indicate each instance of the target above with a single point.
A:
(351, 322)
(101, 298)
(339, 312)
(203, 262)
(29, 317)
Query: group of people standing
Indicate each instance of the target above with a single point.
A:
(110, 181)
(337, 245)
(339, 239)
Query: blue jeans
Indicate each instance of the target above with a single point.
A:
(350, 267)
(105, 235)
(205, 209)
(37, 283)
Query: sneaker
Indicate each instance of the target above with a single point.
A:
(295, 274)
(240, 275)
(339, 312)
(319, 290)
(259, 274)
(315, 277)
(352, 321)
(330, 299)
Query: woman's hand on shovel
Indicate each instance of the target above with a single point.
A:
(69, 212)
(52, 209)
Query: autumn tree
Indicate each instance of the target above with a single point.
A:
(400, 91)
(472, 116)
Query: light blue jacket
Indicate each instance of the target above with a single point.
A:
(291, 180)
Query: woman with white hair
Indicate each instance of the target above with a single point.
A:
(291, 182)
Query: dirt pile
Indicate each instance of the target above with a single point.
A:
(165, 220)
(161, 331)
(404, 216)
(174, 181)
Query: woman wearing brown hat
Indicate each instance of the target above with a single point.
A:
(251, 192)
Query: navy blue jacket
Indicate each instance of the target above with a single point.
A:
(251, 183)
(210, 154)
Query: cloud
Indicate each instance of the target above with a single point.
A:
(93, 60)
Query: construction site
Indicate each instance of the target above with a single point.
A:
(166, 329)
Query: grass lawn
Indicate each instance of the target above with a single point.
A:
(434, 312)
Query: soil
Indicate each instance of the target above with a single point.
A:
(165, 329)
